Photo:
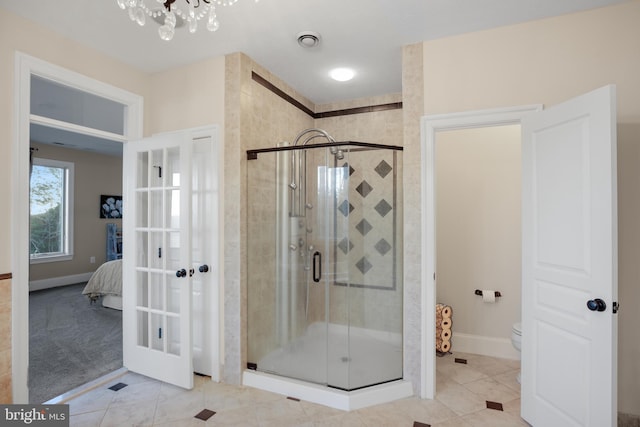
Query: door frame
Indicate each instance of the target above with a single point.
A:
(25, 67)
(429, 125)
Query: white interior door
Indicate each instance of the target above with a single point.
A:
(205, 250)
(169, 293)
(569, 263)
(157, 327)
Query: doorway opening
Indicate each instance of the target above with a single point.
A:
(478, 255)
(31, 122)
(431, 126)
(478, 245)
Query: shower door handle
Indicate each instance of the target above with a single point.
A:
(317, 266)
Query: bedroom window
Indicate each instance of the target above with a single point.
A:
(51, 211)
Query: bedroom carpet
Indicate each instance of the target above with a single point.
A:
(71, 342)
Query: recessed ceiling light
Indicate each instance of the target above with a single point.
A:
(342, 74)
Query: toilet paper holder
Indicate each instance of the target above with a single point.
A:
(479, 292)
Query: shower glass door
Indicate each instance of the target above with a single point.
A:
(365, 294)
(324, 256)
(287, 325)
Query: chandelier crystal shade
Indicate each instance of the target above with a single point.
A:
(173, 13)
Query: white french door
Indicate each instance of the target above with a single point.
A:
(569, 267)
(169, 252)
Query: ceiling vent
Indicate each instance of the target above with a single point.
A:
(308, 39)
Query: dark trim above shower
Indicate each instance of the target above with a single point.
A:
(344, 112)
(253, 154)
(273, 88)
(359, 110)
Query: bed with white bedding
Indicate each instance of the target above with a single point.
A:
(106, 282)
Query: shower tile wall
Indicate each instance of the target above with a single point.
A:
(413, 108)
(255, 118)
(379, 127)
(369, 249)
(261, 272)
(369, 308)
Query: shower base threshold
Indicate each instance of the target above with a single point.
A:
(334, 398)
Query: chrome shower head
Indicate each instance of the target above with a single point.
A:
(340, 155)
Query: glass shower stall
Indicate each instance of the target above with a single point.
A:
(324, 251)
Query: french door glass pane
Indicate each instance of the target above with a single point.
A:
(159, 254)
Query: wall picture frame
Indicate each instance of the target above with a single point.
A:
(111, 207)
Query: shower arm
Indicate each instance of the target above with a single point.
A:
(316, 130)
(299, 169)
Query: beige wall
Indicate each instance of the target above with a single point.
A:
(478, 227)
(187, 97)
(5, 341)
(95, 174)
(549, 61)
(18, 34)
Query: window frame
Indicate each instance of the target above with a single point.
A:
(67, 212)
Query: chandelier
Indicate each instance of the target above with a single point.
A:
(170, 15)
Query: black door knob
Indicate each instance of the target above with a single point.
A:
(181, 273)
(596, 305)
(203, 268)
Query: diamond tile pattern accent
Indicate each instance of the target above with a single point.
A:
(363, 265)
(383, 246)
(383, 207)
(366, 233)
(364, 188)
(351, 170)
(205, 414)
(383, 168)
(345, 208)
(118, 386)
(494, 405)
(364, 227)
(345, 245)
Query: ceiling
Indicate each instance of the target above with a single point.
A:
(366, 35)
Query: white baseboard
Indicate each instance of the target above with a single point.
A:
(486, 346)
(54, 282)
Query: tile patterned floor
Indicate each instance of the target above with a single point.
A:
(461, 400)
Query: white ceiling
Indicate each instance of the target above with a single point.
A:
(366, 35)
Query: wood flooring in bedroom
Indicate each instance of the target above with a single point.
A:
(71, 341)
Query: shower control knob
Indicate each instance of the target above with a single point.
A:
(181, 273)
(596, 305)
(203, 268)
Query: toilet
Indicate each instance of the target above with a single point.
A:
(516, 340)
